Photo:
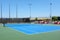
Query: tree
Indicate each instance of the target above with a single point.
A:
(36, 18)
(54, 18)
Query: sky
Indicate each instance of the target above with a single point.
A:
(39, 8)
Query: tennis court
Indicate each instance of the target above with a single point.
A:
(33, 28)
(16, 32)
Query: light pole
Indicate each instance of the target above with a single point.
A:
(9, 13)
(51, 11)
(1, 17)
(9, 10)
(16, 11)
(1, 12)
(30, 9)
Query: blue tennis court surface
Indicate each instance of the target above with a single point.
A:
(33, 28)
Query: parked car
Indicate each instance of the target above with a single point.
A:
(56, 22)
(43, 22)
